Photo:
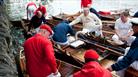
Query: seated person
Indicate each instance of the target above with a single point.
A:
(91, 23)
(36, 21)
(88, 3)
(123, 30)
(92, 68)
(130, 57)
(60, 33)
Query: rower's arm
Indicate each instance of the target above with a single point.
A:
(130, 33)
(117, 31)
(77, 20)
(99, 22)
(127, 60)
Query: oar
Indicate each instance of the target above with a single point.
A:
(108, 32)
(103, 47)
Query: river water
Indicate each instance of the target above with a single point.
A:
(73, 6)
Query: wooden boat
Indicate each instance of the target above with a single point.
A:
(130, 72)
(97, 42)
(108, 31)
(74, 55)
(64, 68)
(107, 59)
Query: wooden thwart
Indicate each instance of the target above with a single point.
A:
(130, 72)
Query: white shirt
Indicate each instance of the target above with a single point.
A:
(90, 22)
(124, 28)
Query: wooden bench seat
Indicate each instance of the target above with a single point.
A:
(130, 72)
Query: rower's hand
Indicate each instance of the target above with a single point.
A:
(124, 38)
(29, 33)
(56, 74)
(110, 69)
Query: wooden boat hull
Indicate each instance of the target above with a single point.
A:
(74, 56)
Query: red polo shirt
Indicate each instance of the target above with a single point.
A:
(92, 69)
(42, 9)
(84, 3)
(31, 4)
(40, 59)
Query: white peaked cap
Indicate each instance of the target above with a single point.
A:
(85, 8)
(134, 20)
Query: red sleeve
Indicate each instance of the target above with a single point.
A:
(44, 10)
(84, 3)
(49, 53)
(77, 74)
(36, 11)
(35, 5)
(31, 3)
(90, 1)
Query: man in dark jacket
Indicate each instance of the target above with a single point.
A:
(60, 32)
(37, 20)
(131, 58)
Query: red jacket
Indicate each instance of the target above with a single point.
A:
(84, 3)
(40, 59)
(92, 69)
(31, 4)
(42, 9)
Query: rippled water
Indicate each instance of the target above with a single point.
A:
(72, 6)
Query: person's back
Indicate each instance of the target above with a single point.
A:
(39, 53)
(35, 59)
(60, 32)
(41, 8)
(92, 68)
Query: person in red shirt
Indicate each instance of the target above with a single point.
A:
(39, 53)
(86, 3)
(91, 67)
(31, 7)
(42, 9)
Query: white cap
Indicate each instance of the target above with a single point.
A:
(85, 8)
(134, 20)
